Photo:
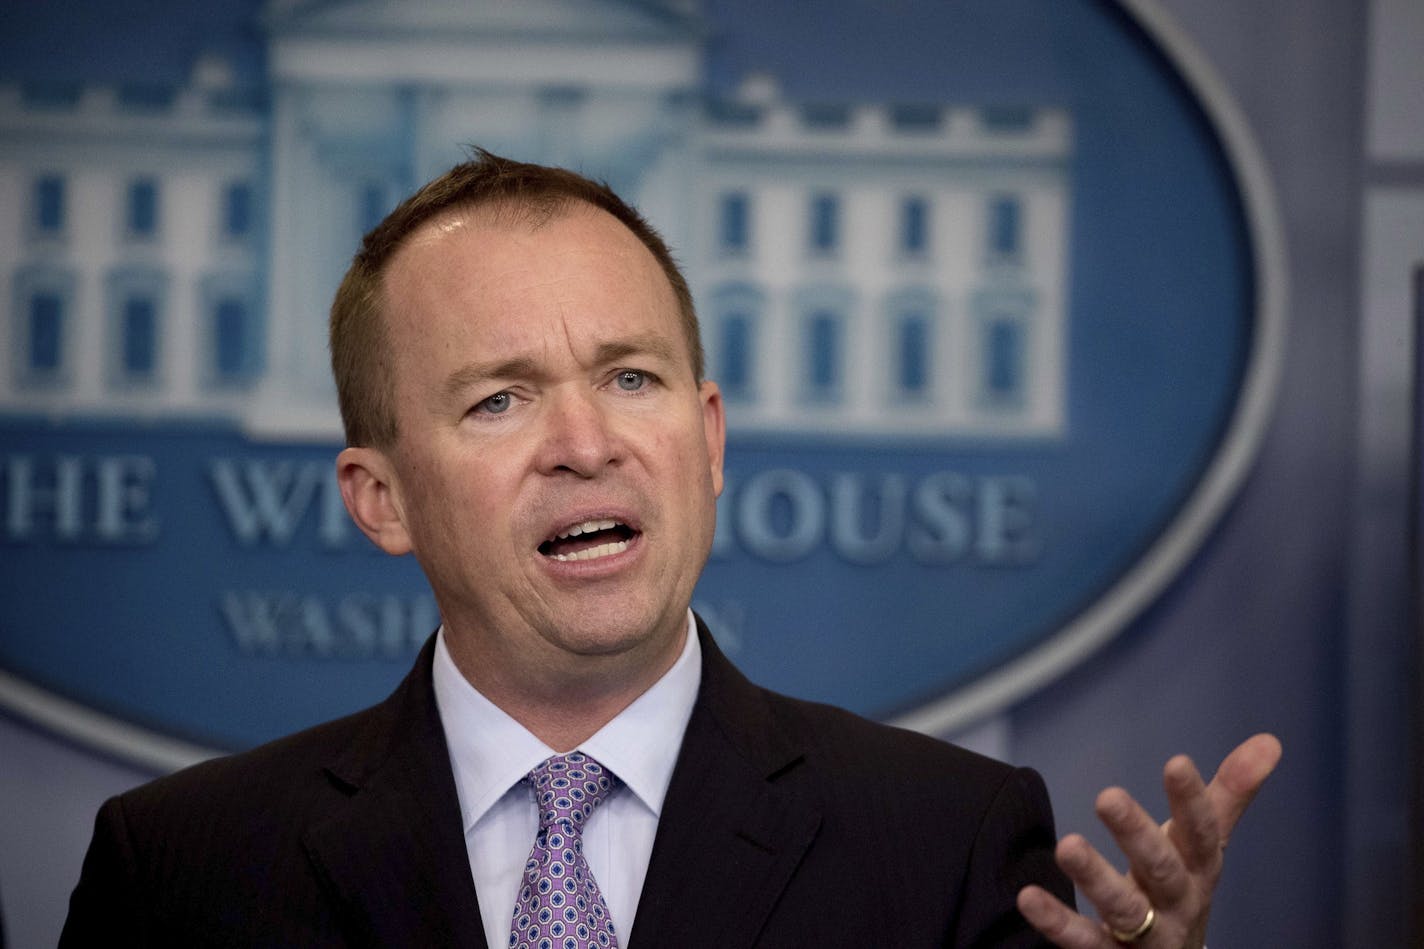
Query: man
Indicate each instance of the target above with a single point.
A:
(572, 761)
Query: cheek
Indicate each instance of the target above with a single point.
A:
(686, 472)
(482, 494)
(443, 494)
(672, 460)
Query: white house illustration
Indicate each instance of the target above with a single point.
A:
(861, 269)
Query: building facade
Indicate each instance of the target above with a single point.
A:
(862, 270)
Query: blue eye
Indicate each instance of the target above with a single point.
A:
(631, 380)
(495, 404)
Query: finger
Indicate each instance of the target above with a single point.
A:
(1193, 828)
(1118, 901)
(1059, 924)
(1239, 777)
(1155, 864)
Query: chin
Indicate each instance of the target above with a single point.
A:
(609, 638)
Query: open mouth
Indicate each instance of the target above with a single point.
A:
(589, 540)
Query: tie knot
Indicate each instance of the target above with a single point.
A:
(568, 787)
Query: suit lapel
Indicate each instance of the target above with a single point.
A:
(730, 836)
(392, 852)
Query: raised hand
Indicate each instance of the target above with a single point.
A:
(1163, 901)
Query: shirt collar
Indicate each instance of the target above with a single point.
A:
(490, 751)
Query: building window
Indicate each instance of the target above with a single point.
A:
(737, 313)
(1005, 228)
(234, 333)
(913, 354)
(237, 211)
(49, 206)
(914, 226)
(46, 333)
(910, 349)
(43, 330)
(736, 345)
(823, 321)
(825, 224)
(136, 302)
(230, 337)
(734, 223)
(1004, 318)
(138, 328)
(824, 355)
(142, 216)
(1004, 361)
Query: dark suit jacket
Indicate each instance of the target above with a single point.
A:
(786, 824)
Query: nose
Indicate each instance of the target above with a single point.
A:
(577, 434)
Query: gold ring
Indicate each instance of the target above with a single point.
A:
(1127, 938)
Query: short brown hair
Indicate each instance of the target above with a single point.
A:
(360, 350)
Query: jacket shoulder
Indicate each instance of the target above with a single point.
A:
(220, 845)
(850, 747)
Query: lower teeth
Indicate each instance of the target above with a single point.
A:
(593, 553)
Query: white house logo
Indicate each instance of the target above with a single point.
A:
(996, 336)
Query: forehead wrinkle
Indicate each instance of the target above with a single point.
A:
(579, 330)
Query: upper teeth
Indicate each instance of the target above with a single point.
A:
(587, 527)
(591, 553)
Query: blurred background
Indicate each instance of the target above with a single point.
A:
(1069, 349)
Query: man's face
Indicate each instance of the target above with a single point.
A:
(557, 464)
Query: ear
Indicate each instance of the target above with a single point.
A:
(714, 428)
(368, 488)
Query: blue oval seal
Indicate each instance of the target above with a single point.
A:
(994, 291)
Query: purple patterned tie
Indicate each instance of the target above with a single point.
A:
(559, 906)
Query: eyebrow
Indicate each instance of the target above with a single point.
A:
(648, 344)
(474, 374)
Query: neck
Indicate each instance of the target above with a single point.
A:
(562, 704)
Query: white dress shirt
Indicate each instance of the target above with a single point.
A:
(491, 754)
